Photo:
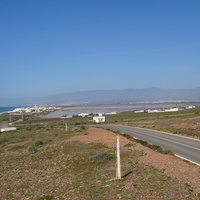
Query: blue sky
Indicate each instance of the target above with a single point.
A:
(50, 47)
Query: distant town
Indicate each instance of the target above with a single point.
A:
(35, 109)
(175, 109)
(41, 109)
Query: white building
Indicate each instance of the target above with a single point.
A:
(171, 110)
(190, 107)
(18, 110)
(139, 111)
(99, 119)
(4, 126)
(152, 111)
(83, 114)
(111, 113)
(164, 110)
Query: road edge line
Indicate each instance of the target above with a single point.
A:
(183, 158)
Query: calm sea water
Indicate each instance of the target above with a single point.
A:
(6, 109)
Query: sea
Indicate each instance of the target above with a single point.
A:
(6, 109)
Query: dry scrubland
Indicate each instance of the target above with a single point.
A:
(42, 161)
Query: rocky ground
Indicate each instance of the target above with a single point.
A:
(43, 162)
(173, 167)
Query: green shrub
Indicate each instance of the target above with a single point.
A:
(54, 134)
(155, 147)
(129, 145)
(82, 127)
(102, 156)
(3, 141)
(46, 197)
(17, 147)
(38, 143)
(32, 149)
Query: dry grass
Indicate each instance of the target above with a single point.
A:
(60, 167)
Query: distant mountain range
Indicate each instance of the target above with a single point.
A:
(124, 96)
(112, 96)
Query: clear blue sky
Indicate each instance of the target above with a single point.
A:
(50, 47)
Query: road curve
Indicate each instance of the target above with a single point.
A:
(184, 147)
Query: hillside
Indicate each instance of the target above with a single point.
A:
(43, 161)
(110, 96)
(80, 164)
(126, 95)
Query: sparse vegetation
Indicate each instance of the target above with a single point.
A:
(2, 141)
(155, 147)
(32, 149)
(46, 197)
(39, 161)
(102, 156)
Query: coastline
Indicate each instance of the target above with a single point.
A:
(5, 110)
(95, 109)
(61, 111)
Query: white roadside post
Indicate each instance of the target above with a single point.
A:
(118, 174)
(10, 118)
(22, 116)
(66, 127)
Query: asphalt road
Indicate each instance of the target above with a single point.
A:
(184, 147)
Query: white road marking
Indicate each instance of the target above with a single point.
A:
(183, 158)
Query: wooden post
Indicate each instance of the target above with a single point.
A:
(22, 116)
(66, 128)
(118, 172)
(10, 118)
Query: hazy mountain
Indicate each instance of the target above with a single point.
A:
(111, 96)
(126, 95)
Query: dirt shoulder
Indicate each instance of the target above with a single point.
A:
(172, 166)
